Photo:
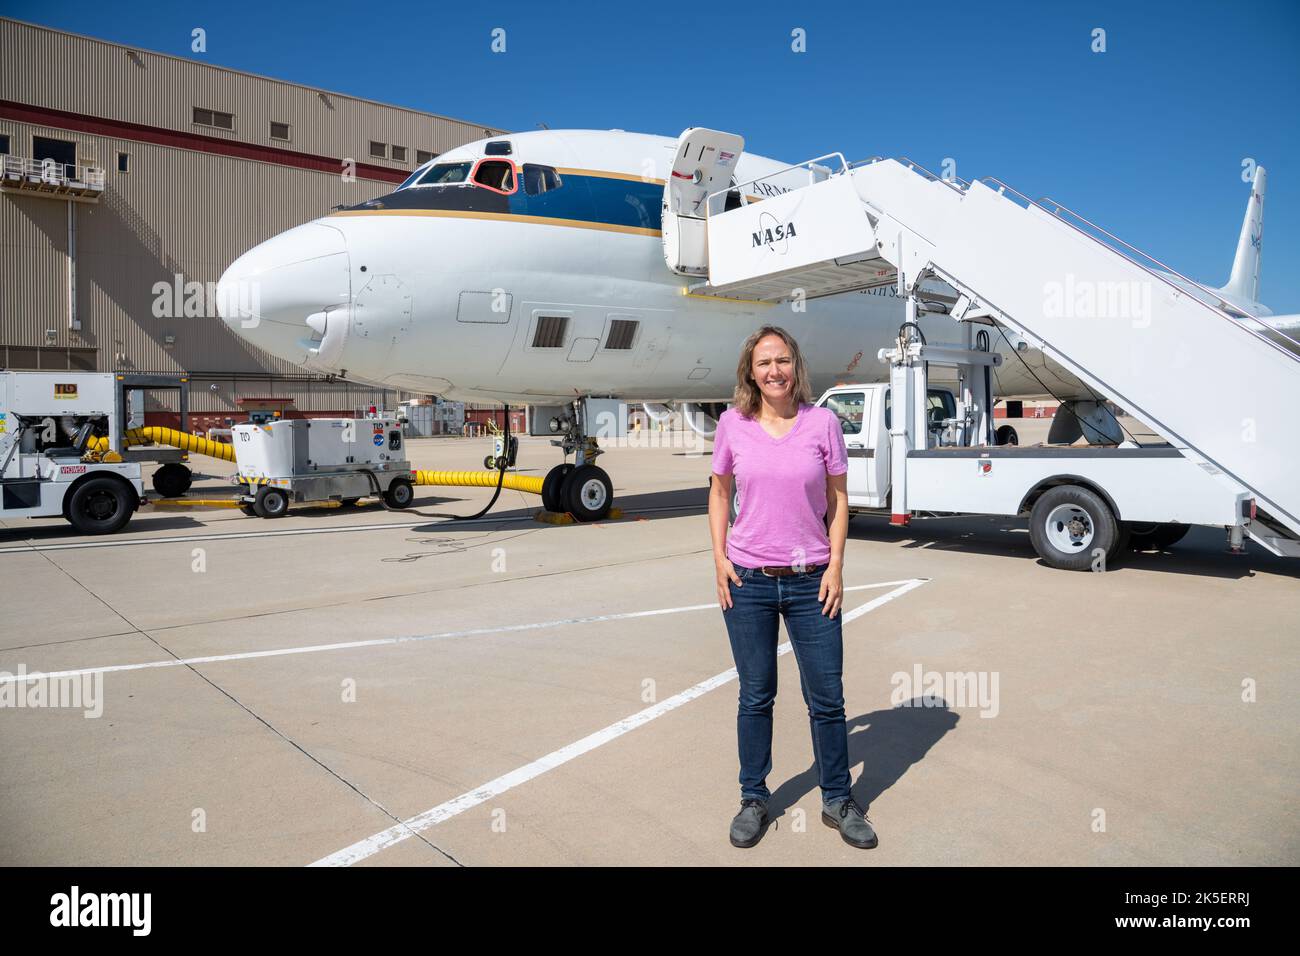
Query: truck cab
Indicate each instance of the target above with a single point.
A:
(865, 415)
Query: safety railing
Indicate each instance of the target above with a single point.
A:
(921, 170)
(813, 166)
(53, 173)
(1225, 309)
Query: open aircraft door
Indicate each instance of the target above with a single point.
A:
(705, 162)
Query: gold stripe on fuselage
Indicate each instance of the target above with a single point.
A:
(606, 174)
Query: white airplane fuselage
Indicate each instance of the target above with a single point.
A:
(445, 289)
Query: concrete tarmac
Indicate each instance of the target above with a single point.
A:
(373, 687)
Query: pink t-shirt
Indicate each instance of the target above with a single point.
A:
(782, 485)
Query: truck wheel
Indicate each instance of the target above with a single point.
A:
(1068, 526)
(101, 505)
(1006, 435)
(271, 503)
(587, 493)
(551, 486)
(400, 494)
(172, 480)
(248, 509)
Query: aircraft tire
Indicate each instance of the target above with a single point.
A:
(551, 486)
(587, 493)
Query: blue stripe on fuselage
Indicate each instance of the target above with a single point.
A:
(599, 199)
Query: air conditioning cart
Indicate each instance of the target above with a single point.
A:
(320, 459)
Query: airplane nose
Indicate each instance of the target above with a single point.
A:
(278, 294)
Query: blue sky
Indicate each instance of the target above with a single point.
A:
(1146, 139)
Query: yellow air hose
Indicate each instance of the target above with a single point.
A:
(173, 437)
(479, 479)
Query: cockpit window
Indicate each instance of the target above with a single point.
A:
(496, 174)
(540, 179)
(441, 174)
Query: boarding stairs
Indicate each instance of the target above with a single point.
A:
(1217, 389)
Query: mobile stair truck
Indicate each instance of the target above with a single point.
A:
(47, 470)
(1231, 455)
(320, 459)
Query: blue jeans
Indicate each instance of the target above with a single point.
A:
(818, 646)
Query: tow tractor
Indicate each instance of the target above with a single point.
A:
(919, 451)
(47, 422)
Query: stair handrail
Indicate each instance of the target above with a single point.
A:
(1002, 188)
(740, 187)
(950, 183)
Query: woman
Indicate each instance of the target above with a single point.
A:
(784, 557)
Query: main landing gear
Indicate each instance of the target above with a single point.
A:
(582, 489)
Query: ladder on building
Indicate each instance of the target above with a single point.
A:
(1214, 387)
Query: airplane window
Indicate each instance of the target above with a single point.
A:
(540, 179)
(445, 174)
(495, 174)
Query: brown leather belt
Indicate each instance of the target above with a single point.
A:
(776, 572)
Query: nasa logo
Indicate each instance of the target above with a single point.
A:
(773, 234)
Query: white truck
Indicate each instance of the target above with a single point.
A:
(46, 471)
(932, 452)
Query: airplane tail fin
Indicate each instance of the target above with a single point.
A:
(1244, 281)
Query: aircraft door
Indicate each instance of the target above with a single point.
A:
(705, 162)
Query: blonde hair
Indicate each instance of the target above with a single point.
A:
(748, 398)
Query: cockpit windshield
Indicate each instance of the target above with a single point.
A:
(440, 174)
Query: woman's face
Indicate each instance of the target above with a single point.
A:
(773, 368)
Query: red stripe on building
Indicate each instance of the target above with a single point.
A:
(138, 132)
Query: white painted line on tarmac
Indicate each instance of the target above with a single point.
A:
(444, 811)
(287, 532)
(7, 678)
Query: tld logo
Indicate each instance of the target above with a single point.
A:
(773, 233)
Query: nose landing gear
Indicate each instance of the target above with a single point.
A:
(581, 488)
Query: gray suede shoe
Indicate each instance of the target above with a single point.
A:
(855, 829)
(747, 825)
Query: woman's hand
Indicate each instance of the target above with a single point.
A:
(831, 591)
(726, 572)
